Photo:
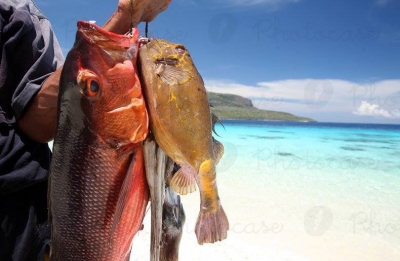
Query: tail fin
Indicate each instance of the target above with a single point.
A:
(211, 226)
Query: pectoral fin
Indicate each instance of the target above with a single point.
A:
(172, 75)
(184, 180)
(127, 187)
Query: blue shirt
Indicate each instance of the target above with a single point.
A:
(29, 53)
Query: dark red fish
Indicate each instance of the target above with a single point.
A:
(97, 189)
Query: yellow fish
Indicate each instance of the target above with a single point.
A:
(181, 121)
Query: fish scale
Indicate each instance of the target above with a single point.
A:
(89, 202)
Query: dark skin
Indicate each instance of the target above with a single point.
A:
(40, 119)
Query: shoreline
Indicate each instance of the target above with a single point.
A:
(318, 122)
(264, 120)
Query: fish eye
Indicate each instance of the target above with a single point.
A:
(180, 49)
(89, 83)
(92, 87)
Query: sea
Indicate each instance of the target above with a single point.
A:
(319, 191)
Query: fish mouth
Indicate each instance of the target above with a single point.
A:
(118, 47)
(166, 61)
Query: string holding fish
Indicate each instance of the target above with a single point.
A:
(143, 40)
(130, 32)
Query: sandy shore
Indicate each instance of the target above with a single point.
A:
(282, 220)
(249, 237)
(238, 245)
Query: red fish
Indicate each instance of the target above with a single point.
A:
(97, 188)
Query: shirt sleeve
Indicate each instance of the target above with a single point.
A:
(30, 53)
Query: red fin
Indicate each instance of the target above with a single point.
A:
(126, 188)
(184, 180)
(211, 226)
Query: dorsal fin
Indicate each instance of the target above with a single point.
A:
(218, 149)
(215, 120)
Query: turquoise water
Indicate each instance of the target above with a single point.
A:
(350, 148)
(264, 148)
(358, 157)
(348, 173)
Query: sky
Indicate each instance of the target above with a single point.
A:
(333, 61)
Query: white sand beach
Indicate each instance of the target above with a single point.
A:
(244, 242)
(266, 224)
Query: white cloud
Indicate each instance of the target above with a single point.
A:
(368, 109)
(322, 99)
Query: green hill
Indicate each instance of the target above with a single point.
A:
(229, 106)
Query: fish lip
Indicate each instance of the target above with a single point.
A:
(90, 29)
(167, 61)
(117, 46)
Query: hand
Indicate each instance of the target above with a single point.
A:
(144, 10)
(134, 11)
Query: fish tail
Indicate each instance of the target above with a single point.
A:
(212, 223)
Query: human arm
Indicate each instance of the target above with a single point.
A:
(40, 118)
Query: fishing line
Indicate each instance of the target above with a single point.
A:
(146, 30)
(131, 13)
